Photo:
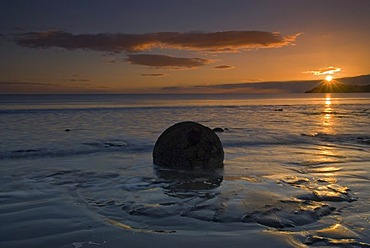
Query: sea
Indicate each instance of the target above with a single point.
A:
(77, 171)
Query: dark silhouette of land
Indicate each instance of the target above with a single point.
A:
(358, 84)
(337, 87)
(347, 84)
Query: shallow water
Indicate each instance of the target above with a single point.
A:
(296, 174)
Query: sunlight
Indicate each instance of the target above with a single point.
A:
(330, 84)
(329, 78)
(327, 120)
(328, 154)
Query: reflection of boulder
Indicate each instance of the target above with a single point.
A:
(188, 145)
(190, 183)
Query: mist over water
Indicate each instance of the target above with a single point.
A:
(77, 171)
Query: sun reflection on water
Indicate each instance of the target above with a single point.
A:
(327, 154)
(328, 120)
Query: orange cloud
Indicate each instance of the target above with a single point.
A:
(223, 67)
(226, 41)
(77, 80)
(324, 71)
(164, 61)
(154, 74)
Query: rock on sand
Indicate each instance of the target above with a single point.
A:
(188, 145)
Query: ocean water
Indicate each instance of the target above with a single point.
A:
(76, 171)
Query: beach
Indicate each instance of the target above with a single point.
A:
(76, 171)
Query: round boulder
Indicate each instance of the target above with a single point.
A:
(188, 145)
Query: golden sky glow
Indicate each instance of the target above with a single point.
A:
(184, 45)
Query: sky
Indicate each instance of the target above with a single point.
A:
(143, 46)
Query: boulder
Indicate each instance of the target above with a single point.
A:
(188, 145)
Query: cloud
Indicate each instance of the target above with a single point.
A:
(164, 61)
(226, 41)
(24, 87)
(77, 80)
(154, 74)
(324, 71)
(220, 89)
(21, 87)
(246, 87)
(223, 67)
(110, 61)
(18, 83)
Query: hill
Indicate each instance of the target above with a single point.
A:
(347, 84)
(358, 84)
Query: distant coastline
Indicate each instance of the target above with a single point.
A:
(337, 87)
(356, 84)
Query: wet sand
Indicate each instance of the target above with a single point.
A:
(310, 205)
(299, 180)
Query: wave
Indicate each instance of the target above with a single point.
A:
(260, 143)
(84, 148)
(340, 138)
(272, 139)
(355, 141)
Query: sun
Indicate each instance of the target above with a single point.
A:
(328, 78)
